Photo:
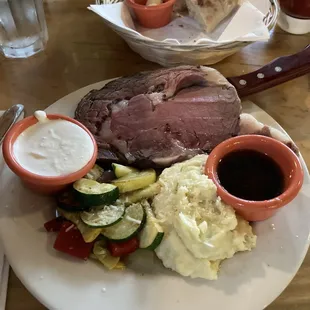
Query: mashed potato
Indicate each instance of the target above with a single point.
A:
(200, 230)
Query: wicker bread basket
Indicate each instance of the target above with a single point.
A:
(169, 55)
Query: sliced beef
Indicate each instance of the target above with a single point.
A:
(161, 117)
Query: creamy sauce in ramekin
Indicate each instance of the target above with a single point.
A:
(53, 147)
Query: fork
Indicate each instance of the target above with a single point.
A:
(99, 2)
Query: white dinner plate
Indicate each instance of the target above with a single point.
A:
(248, 281)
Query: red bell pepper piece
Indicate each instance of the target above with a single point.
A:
(119, 249)
(54, 225)
(70, 241)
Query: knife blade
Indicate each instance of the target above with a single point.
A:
(9, 118)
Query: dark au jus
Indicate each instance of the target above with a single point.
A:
(251, 175)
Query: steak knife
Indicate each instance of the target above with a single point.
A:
(9, 118)
(280, 70)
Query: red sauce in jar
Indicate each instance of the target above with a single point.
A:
(296, 8)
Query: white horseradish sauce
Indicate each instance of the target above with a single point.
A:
(53, 147)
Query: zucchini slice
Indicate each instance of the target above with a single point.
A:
(67, 202)
(73, 217)
(103, 217)
(132, 222)
(95, 173)
(89, 234)
(92, 193)
(140, 194)
(135, 180)
(120, 266)
(104, 256)
(121, 171)
(152, 233)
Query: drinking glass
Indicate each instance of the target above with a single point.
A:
(296, 8)
(295, 16)
(23, 30)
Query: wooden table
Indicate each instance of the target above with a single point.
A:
(82, 50)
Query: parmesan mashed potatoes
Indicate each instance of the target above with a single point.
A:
(200, 230)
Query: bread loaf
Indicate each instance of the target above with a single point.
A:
(209, 13)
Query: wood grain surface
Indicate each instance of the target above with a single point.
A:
(81, 50)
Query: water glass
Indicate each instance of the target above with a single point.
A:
(23, 30)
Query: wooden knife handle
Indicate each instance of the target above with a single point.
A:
(279, 71)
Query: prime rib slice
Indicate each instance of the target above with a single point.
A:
(161, 117)
(153, 119)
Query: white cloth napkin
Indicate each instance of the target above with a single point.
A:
(4, 265)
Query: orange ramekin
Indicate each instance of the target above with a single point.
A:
(38, 183)
(152, 16)
(280, 153)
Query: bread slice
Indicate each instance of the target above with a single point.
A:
(209, 13)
